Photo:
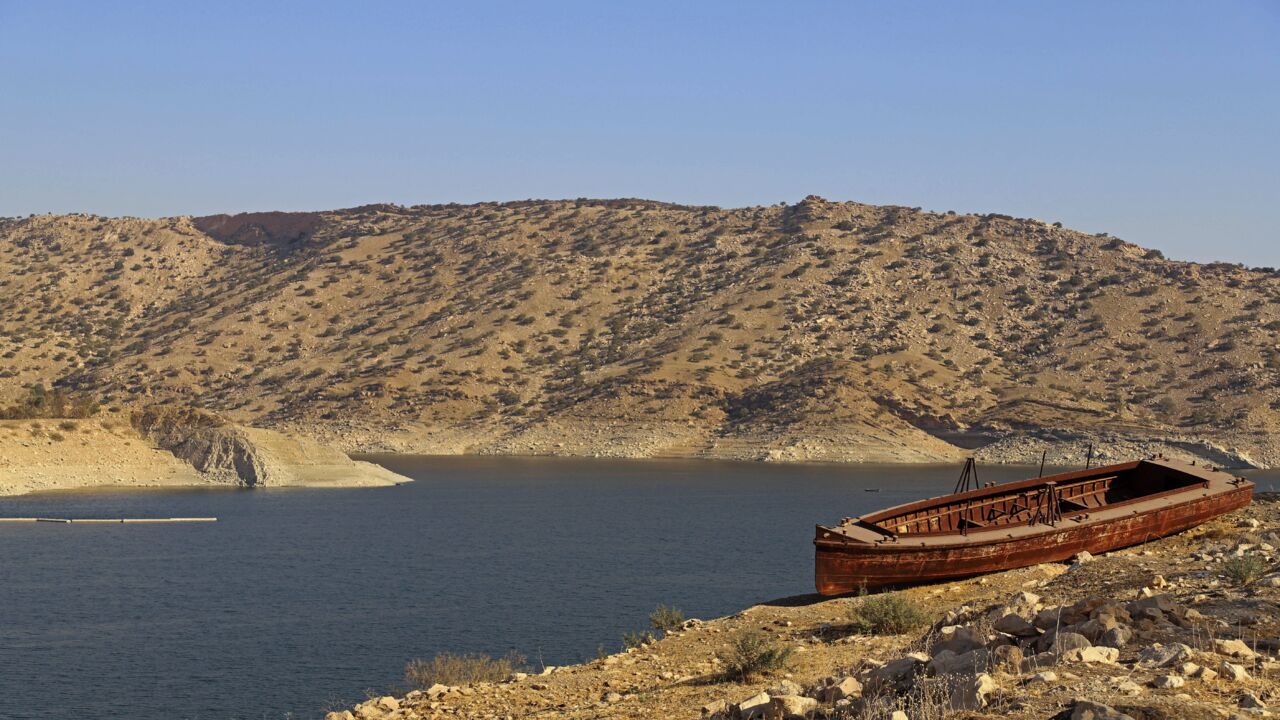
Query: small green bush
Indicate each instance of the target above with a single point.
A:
(754, 654)
(888, 614)
(1244, 569)
(666, 618)
(451, 669)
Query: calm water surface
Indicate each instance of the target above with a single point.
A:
(296, 601)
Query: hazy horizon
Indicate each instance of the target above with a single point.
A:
(1153, 122)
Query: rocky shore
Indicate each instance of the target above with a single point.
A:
(1184, 627)
(164, 448)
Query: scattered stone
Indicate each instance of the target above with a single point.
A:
(344, 715)
(790, 707)
(1016, 626)
(1045, 676)
(1158, 656)
(753, 707)
(1095, 654)
(612, 697)
(1082, 557)
(1089, 710)
(1233, 672)
(971, 694)
(1249, 701)
(897, 675)
(785, 687)
(715, 708)
(1168, 682)
(1234, 648)
(959, 640)
(949, 663)
(847, 688)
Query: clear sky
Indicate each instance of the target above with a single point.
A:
(1158, 122)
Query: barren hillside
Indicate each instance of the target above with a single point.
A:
(821, 330)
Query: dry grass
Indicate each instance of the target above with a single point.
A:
(451, 669)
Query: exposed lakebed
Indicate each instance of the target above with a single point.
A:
(298, 600)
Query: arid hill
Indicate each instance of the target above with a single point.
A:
(821, 330)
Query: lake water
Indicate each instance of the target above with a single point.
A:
(296, 601)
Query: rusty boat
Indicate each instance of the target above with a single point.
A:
(999, 527)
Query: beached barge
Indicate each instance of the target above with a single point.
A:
(1023, 523)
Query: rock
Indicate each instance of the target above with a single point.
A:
(716, 708)
(1045, 676)
(1095, 654)
(1016, 626)
(897, 675)
(1161, 602)
(1089, 710)
(1249, 701)
(1035, 662)
(786, 687)
(971, 694)
(1234, 648)
(1168, 682)
(898, 715)
(612, 697)
(790, 707)
(847, 688)
(1233, 672)
(344, 715)
(753, 707)
(959, 640)
(1128, 687)
(1062, 642)
(1158, 656)
(1082, 557)
(369, 711)
(949, 663)
(1116, 637)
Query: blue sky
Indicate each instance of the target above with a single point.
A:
(1158, 122)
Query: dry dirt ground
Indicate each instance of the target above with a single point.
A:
(1149, 677)
(828, 331)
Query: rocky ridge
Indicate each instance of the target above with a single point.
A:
(828, 331)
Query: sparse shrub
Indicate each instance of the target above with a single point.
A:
(638, 639)
(1244, 569)
(666, 618)
(451, 669)
(888, 614)
(754, 654)
(67, 426)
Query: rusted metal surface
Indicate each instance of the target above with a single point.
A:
(1046, 519)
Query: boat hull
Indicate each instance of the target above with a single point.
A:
(844, 567)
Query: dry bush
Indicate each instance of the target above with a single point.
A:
(754, 654)
(887, 614)
(451, 669)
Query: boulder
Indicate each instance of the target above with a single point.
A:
(1016, 625)
(1095, 654)
(1168, 682)
(790, 707)
(344, 715)
(1044, 676)
(1234, 648)
(949, 663)
(1089, 710)
(753, 707)
(1233, 672)
(897, 675)
(958, 639)
(1250, 701)
(1062, 642)
(785, 687)
(1116, 637)
(847, 688)
(1158, 656)
(718, 709)
(971, 693)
